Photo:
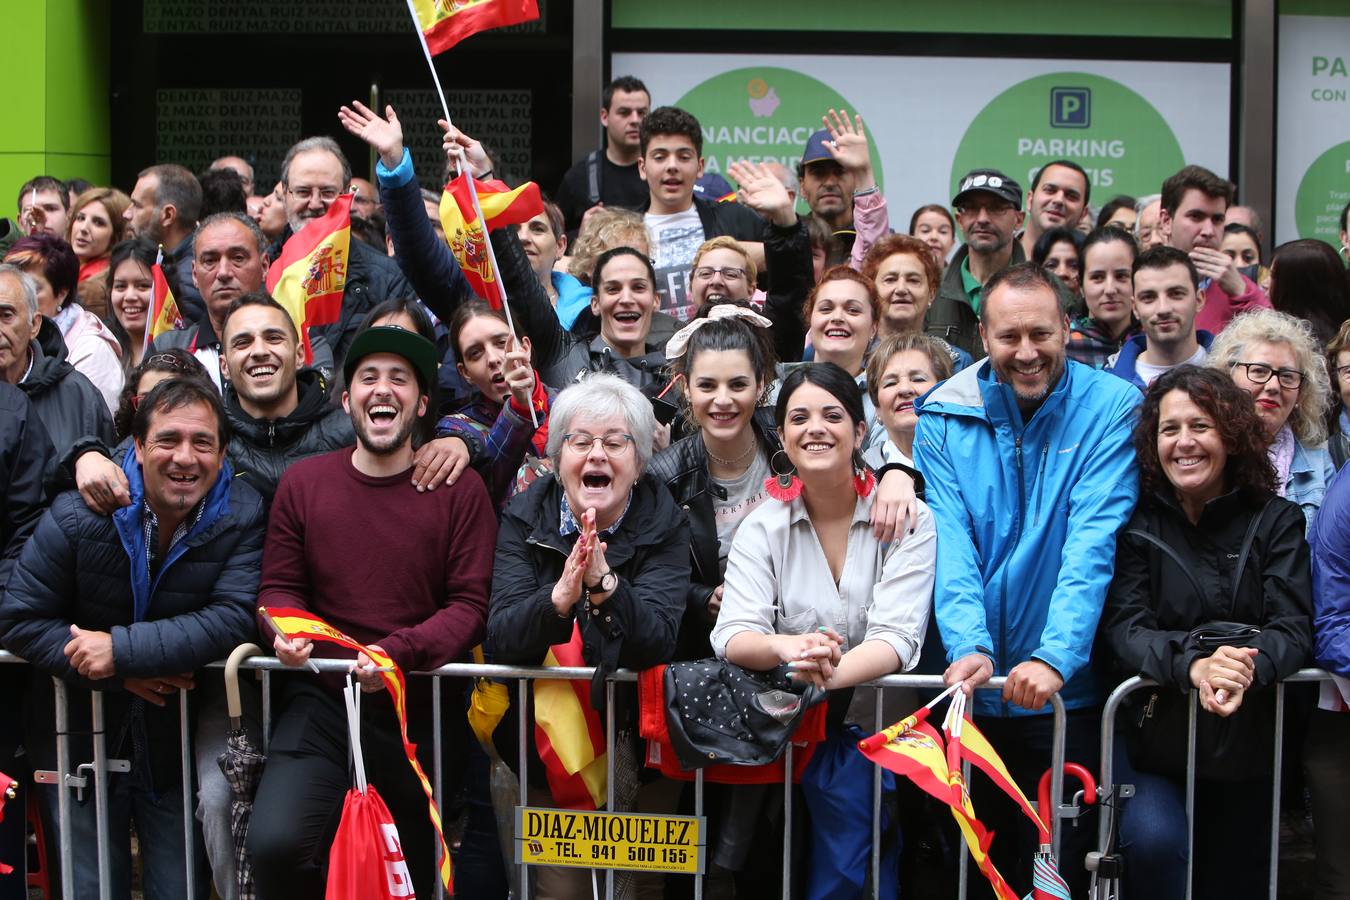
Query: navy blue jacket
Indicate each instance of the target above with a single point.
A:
(90, 570)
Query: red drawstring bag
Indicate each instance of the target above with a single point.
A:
(366, 861)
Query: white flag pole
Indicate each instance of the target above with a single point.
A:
(473, 187)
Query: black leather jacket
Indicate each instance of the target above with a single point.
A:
(262, 450)
(683, 469)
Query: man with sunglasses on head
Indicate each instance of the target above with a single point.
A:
(989, 211)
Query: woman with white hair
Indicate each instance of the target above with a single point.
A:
(592, 561)
(1275, 358)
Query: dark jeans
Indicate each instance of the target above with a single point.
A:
(1024, 744)
(1232, 836)
(1326, 760)
(300, 799)
(480, 871)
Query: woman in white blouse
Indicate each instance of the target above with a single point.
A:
(807, 583)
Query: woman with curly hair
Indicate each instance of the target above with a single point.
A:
(1275, 358)
(1211, 593)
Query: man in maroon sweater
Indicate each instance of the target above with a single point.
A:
(352, 541)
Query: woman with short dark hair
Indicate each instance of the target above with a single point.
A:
(1211, 593)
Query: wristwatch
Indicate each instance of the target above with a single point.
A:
(608, 582)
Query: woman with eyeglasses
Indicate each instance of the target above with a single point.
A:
(157, 367)
(1338, 416)
(592, 559)
(1275, 358)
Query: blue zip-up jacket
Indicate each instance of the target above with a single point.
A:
(1027, 517)
(82, 568)
(1330, 542)
(1127, 361)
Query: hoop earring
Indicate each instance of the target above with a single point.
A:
(863, 480)
(784, 486)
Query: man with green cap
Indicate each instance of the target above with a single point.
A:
(351, 541)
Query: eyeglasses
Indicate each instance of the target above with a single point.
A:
(728, 273)
(1343, 372)
(1260, 373)
(612, 444)
(303, 194)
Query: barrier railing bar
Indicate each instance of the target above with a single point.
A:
(1191, 713)
(1057, 751)
(189, 804)
(63, 792)
(787, 822)
(1107, 783)
(101, 796)
(436, 790)
(698, 813)
(1275, 793)
(266, 704)
(609, 765)
(522, 698)
(876, 812)
(963, 865)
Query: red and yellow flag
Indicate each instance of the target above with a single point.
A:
(299, 623)
(309, 276)
(165, 315)
(568, 733)
(976, 750)
(445, 23)
(913, 748)
(467, 236)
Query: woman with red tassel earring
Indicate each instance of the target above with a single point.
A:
(810, 587)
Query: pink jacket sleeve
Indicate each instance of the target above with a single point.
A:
(871, 221)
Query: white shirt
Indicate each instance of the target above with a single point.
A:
(779, 582)
(675, 240)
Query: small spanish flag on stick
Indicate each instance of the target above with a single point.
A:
(467, 234)
(165, 315)
(445, 23)
(310, 275)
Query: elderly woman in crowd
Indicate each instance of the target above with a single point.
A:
(90, 345)
(1338, 416)
(593, 557)
(907, 274)
(96, 225)
(809, 585)
(1211, 593)
(1275, 358)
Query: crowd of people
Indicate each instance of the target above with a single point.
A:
(1082, 444)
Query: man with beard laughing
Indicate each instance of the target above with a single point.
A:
(1030, 472)
(353, 542)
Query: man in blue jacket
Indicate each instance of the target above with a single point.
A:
(1030, 473)
(131, 606)
(1167, 299)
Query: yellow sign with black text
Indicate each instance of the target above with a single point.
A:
(599, 840)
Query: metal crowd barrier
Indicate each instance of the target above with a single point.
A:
(101, 766)
(1107, 784)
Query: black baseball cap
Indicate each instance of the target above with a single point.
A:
(410, 345)
(989, 181)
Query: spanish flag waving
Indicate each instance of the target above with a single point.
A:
(445, 23)
(164, 312)
(568, 733)
(311, 273)
(467, 236)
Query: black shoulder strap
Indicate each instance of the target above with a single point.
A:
(593, 176)
(1176, 558)
(1247, 541)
